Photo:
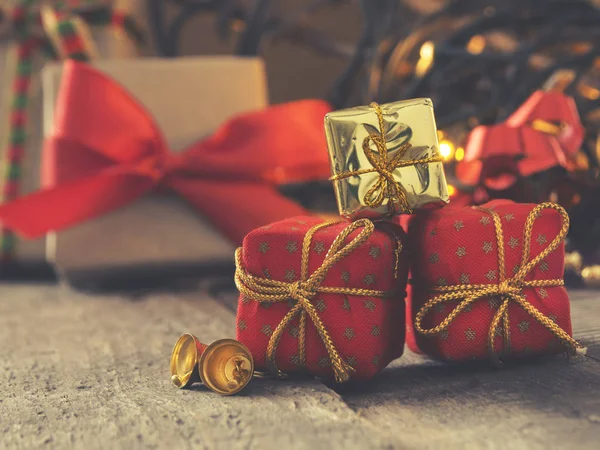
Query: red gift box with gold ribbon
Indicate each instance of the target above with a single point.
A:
(488, 282)
(325, 298)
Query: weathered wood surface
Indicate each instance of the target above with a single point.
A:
(549, 403)
(81, 371)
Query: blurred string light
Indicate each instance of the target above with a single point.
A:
(427, 54)
(581, 162)
(476, 44)
(459, 154)
(589, 92)
(446, 149)
(591, 276)
(451, 190)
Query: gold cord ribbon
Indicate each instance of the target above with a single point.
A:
(386, 187)
(507, 290)
(264, 290)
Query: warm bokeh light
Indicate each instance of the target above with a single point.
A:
(573, 260)
(427, 50)
(581, 161)
(589, 92)
(591, 273)
(459, 154)
(476, 44)
(581, 47)
(446, 149)
(451, 190)
(426, 53)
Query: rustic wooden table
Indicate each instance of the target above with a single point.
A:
(90, 371)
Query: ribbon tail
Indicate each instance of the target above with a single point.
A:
(495, 357)
(276, 337)
(302, 339)
(236, 208)
(571, 345)
(341, 369)
(72, 202)
(506, 332)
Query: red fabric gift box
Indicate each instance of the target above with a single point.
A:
(487, 281)
(325, 298)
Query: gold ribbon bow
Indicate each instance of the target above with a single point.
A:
(264, 290)
(507, 290)
(386, 187)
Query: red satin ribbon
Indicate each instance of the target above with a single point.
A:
(106, 151)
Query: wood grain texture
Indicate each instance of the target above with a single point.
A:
(543, 404)
(585, 311)
(82, 371)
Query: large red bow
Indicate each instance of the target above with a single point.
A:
(106, 151)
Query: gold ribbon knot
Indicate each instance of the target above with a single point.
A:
(264, 290)
(386, 186)
(506, 290)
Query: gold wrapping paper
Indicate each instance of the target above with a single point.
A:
(409, 134)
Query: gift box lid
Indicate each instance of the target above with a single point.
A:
(159, 233)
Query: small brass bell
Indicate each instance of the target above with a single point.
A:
(225, 366)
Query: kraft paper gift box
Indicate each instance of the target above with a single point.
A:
(159, 234)
(29, 255)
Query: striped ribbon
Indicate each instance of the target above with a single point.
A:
(59, 34)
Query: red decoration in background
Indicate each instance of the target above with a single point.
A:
(556, 108)
(106, 151)
(458, 246)
(544, 132)
(368, 332)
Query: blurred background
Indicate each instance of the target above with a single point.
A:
(532, 66)
(295, 68)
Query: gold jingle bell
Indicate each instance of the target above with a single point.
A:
(225, 366)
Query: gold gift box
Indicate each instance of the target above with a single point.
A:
(371, 183)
